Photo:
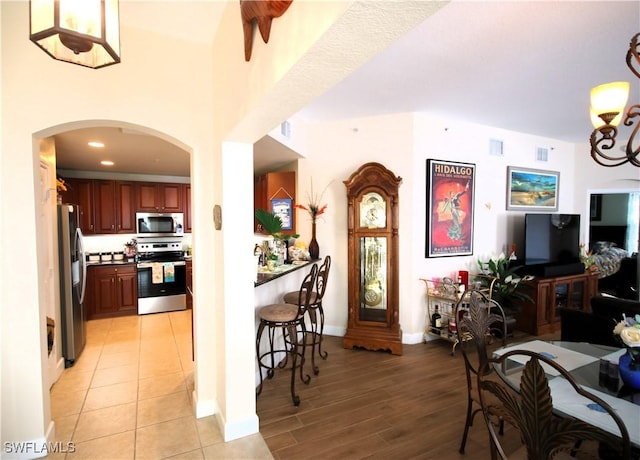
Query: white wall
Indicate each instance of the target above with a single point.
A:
(403, 143)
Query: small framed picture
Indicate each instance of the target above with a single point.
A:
(532, 189)
(283, 208)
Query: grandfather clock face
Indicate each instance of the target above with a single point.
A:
(373, 211)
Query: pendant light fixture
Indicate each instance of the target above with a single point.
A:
(83, 32)
(607, 108)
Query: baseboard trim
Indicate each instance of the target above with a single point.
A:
(240, 429)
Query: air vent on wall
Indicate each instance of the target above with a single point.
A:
(285, 129)
(542, 154)
(495, 148)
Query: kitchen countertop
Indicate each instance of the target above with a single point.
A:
(264, 276)
(111, 262)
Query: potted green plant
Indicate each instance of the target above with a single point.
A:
(508, 288)
(272, 224)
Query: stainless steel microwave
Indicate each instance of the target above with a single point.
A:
(159, 224)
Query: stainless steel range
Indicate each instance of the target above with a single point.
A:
(162, 277)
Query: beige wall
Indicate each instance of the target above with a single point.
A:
(196, 97)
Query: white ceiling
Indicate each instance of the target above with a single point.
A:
(522, 66)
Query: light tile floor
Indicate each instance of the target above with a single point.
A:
(129, 396)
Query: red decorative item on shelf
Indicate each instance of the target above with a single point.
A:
(464, 278)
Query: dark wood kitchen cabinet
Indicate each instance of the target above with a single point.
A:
(80, 192)
(159, 197)
(268, 189)
(110, 206)
(112, 290)
(106, 206)
(114, 206)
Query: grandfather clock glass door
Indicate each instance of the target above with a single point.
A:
(373, 273)
(372, 193)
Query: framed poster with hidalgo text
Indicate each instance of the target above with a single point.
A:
(450, 208)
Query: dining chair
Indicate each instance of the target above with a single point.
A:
(480, 321)
(289, 319)
(315, 312)
(527, 404)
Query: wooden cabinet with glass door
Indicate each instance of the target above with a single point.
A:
(542, 315)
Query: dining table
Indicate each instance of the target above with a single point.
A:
(592, 366)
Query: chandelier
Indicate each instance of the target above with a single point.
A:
(607, 107)
(83, 32)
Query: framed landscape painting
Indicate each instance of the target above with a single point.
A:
(532, 189)
(450, 208)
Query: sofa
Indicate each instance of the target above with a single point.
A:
(597, 325)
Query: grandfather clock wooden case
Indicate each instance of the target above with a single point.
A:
(372, 206)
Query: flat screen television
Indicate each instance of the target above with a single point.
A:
(552, 244)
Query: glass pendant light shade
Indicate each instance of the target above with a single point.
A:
(83, 32)
(608, 101)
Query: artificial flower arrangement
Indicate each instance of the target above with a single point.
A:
(627, 332)
(60, 185)
(587, 258)
(507, 286)
(314, 208)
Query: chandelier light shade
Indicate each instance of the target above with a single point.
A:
(83, 32)
(608, 102)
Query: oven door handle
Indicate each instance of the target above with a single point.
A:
(150, 264)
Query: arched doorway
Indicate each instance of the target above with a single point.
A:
(46, 220)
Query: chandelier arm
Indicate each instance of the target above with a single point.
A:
(604, 139)
(633, 145)
(633, 55)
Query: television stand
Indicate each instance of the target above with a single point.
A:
(549, 294)
(553, 270)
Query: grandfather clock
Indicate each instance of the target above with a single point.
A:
(372, 207)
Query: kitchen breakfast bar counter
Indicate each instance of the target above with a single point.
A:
(270, 288)
(266, 276)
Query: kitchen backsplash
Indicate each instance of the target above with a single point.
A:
(115, 243)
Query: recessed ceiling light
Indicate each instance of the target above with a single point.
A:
(106, 163)
(96, 144)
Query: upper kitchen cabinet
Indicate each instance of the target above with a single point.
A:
(80, 192)
(276, 193)
(157, 197)
(114, 206)
(106, 206)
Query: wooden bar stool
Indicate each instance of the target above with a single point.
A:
(288, 318)
(313, 336)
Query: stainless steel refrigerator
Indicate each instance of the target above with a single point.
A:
(73, 276)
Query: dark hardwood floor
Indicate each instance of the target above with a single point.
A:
(373, 405)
